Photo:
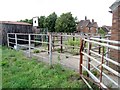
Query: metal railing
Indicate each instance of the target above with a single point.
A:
(87, 48)
(104, 44)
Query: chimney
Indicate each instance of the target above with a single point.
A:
(85, 17)
(92, 20)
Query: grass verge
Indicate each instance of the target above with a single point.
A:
(20, 72)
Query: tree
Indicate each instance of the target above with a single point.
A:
(65, 23)
(50, 22)
(27, 21)
(42, 21)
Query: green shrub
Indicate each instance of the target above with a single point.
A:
(70, 42)
(94, 72)
(36, 51)
(74, 51)
(85, 73)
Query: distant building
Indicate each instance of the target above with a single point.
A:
(86, 26)
(107, 29)
(13, 27)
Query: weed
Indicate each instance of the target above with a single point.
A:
(28, 73)
(36, 51)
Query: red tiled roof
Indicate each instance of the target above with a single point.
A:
(14, 22)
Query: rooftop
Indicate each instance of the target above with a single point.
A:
(14, 22)
(115, 5)
(87, 23)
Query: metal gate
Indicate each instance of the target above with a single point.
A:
(92, 53)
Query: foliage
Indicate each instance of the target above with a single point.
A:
(20, 72)
(72, 42)
(41, 21)
(58, 50)
(36, 51)
(101, 31)
(27, 21)
(65, 23)
(50, 22)
(94, 72)
(75, 51)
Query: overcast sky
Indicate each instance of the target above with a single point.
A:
(13, 10)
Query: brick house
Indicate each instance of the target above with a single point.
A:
(115, 32)
(86, 26)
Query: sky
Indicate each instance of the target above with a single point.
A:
(14, 10)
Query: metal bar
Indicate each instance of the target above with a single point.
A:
(96, 47)
(105, 75)
(39, 41)
(108, 68)
(89, 48)
(50, 49)
(22, 39)
(61, 43)
(81, 57)
(112, 70)
(99, 47)
(53, 42)
(93, 77)
(108, 59)
(101, 68)
(16, 41)
(107, 50)
(104, 40)
(40, 34)
(73, 39)
(11, 38)
(69, 36)
(29, 45)
(8, 40)
(87, 83)
(103, 44)
(11, 42)
(48, 43)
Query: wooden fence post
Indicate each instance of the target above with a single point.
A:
(81, 56)
(29, 37)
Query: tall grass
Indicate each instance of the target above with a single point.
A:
(20, 72)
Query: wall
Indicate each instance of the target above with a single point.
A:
(115, 35)
(93, 30)
(13, 28)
